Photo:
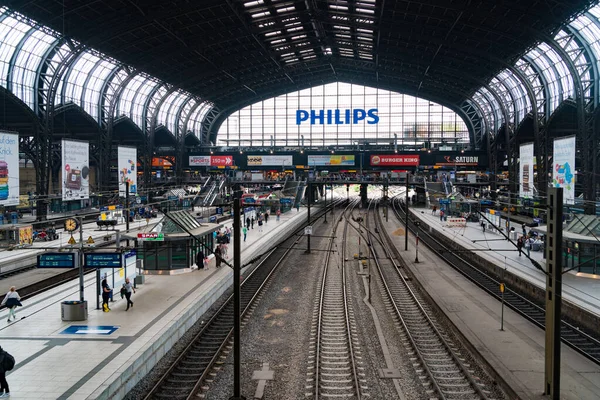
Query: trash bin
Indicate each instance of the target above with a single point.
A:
(74, 310)
(139, 280)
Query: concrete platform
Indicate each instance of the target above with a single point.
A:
(581, 291)
(108, 362)
(517, 352)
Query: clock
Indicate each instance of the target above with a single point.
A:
(71, 224)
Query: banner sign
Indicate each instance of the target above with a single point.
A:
(75, 170)
(127, 160)
(270, 161)
(457, 161)
(526, 170)
(211, 161)
(337, 116)
(563, 171)
(151, 236)
(333, 160)
(9, 169)
(394, 160)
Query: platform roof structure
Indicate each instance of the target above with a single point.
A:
(515, 71)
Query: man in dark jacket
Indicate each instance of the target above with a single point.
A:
(4, 390)
(200, 259)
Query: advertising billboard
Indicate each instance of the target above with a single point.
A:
(457, 160)
(127, 160)
(211, 161)
(394, 160)
(270, 161)
(75, 170)
(526, 170)
(563, 167)
(9, 169)
(331, 160)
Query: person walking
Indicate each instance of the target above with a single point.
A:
(441, 215)
(128, 286)
(245, 232)
(278, 213)
(523, 227)
(433, 210)
(483, 226)
(520, 245)
(12, 300)
(105, 295)
(218, 256)
(247, 222)
(252, 222)
(266, 217)
(7, 363)
(205, 262)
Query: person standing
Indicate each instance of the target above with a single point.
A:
(200, 259)
(7, 363)
(205, 262)
(247, 222)
(218, 256)
(278, 213)
(128, 286)
(12, 300)
(105, 295)
(245, 232)
(266, 217)
(524, 230)
(260, 223)
(520, 245)
(441, 215)
(252, 222)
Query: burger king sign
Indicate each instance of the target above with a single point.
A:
(394, 160)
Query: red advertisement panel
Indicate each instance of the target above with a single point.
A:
(221, 161)
(395, 160)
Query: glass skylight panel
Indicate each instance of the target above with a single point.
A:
(253, 3)
(286, 9)
(266, 24)
(11, 33)
(336, 7)
(26, 65)
(277, 41)
(170, 110)
(295, 29)
(298, 37)
(342, 27)
(260, 14)
(195, 122)
(365, 10)
(268, 34)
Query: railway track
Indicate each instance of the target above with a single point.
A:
(336, 347)
(186, 376)
(440, 361)
(578, 340)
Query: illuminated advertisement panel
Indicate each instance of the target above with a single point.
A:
(526, 170)
(75, 170)
(394, 160)
(331, 160)
(563, 168)
(9, 169)
(127, 160)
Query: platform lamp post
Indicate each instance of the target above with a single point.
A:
(237, 265)
(417, 223)
(406, 217)
(325, 195)
(127, 206)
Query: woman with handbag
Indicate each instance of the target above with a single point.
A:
(12, 300)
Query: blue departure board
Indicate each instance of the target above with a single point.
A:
(56, 260)
(103, 260)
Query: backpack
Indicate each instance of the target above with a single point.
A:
(8, 362)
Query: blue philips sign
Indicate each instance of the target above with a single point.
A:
(337, 116)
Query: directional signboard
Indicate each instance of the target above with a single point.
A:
(56, 260)
(103, 260)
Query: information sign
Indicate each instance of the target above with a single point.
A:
(308, 230)
(151, 236)
(56, 260)
(103, 260)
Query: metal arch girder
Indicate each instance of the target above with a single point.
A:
(104, 101)
(189, 115)
(208, 124)
(545, 85)
(178, 115)
(475, 121)
(590, 58)
(13, 58)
